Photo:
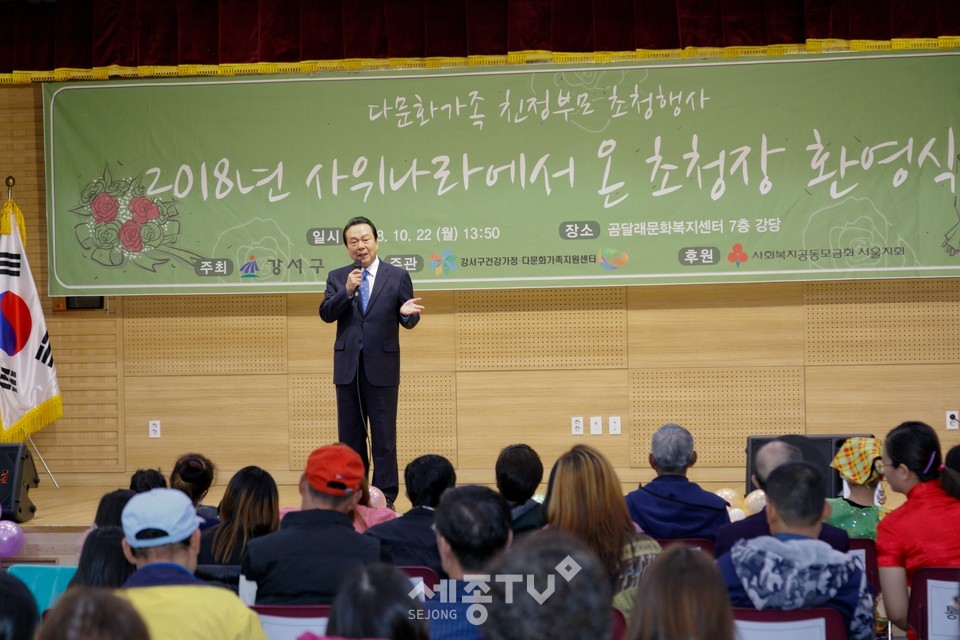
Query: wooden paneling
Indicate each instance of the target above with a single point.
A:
(309, 345)
(746, 325)
(541, 329)
(883, 322)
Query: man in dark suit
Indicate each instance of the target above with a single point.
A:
(369, 300)
(770, 456)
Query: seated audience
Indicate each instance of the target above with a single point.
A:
(922, 532)
(682, 595)
(108, 513)
(519, 472)
(102, 562)
(92, 614)
(162, 538)
(194, 475)
(366, 514)
(858, 461)
(250, 508)
(374, 602)
(579, 602)
(316, 547)
(473, 526)
(584, 498)
(792, 569)
(769, 457)
(18, 609)
(671, 506)
(146, 479)
(409, 539)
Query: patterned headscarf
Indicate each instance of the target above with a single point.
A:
(854, 459)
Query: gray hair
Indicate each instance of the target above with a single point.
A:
(672, 448)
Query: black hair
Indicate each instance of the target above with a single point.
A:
(102, 563)
(111, 507)
(193, 474)
(950, 475)
(579, 603)
(519, 472)
(426, 478)
(352, 222)
(797, 490)
(144, 480)
(475, 521)
(374, 602)
(915, 444)
(18, 609)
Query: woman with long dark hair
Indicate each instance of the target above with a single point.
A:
(923, 531)
(250, 508)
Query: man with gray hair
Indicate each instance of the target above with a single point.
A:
(671, 506)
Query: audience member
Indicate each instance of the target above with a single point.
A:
(109, 510)
(858, 461)
(473, 526)
(519, 472)
(769, 457)
(162, 538)
(18, 609)
(250, 508)
(585, 499)
(792, 569)
(922, 532)
(194, 475)
(671, 506)
(682, 595)
(409, 539)
(569, 598)
(365, 514)
(146, 479)
(102, 562)
(316, 547)
(374, 602)
(92, 614)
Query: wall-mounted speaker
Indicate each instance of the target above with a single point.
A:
(17, 475)
(818, 450)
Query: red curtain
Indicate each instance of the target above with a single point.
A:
(130, 33)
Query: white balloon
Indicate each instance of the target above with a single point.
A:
(736, 514)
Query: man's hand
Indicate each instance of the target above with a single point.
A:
(411, 307)
(353, 281)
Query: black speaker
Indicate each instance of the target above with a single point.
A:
(817, 450)
(17, 475)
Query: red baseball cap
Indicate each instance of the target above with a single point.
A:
(335, 469)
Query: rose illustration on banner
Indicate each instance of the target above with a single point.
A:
(122, 224)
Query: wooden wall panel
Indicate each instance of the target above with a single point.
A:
(882, 322)
(310, 340)
(720, 407)
(744, 325)
(541, 329)
(431, 346)
(313, 416)
(427, 417)
(235, 420)
(196, 335)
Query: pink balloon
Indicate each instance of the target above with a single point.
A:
(11, 538)
(377, 499)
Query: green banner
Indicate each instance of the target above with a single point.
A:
(774, 169)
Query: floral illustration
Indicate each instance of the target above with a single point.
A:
(122, 224)
(442, 265)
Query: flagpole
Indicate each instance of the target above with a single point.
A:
(44, 463)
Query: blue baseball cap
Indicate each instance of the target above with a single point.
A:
(166, 510)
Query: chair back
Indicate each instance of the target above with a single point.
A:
(932, 613)
(424, 579)
(866, 550)
(618, 630)
(704, 544)
(290, 622)
(818, 623)
(45, 581)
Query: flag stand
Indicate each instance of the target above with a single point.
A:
(43, 462)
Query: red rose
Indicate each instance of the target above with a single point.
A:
(143, 209)
(130, 236)
(104, 208)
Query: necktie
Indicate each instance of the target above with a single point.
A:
(364, 292)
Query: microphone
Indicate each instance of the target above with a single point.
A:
(357, 265)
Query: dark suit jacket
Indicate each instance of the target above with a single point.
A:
(410, 540)
(756, 525)
(378, 328)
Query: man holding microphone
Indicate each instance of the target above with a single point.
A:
(369, 300)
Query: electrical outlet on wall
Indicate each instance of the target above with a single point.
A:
(153, 428)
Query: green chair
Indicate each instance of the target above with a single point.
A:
(45, 581)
